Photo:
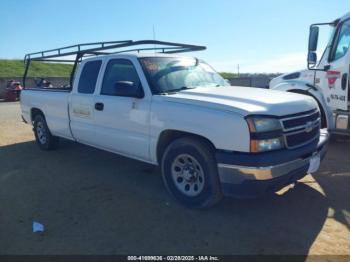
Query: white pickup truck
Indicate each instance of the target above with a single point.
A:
(210, 139)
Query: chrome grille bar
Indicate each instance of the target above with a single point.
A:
(304, 130)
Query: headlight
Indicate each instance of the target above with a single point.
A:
(265, 134)
(260, 124)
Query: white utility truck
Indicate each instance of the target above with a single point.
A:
(210, 139)
(327, 80)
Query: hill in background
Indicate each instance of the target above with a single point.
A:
(15, 68)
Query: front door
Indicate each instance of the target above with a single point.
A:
(335, 82)
(122, 121)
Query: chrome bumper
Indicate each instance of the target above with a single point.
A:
(234, 174)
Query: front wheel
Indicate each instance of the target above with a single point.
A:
(43, 136)
(189, 171)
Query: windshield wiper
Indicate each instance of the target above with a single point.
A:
(181, 88)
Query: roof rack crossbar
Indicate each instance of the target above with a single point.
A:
(58, 60)
(78, 47)
(176, 51)
(162, 49)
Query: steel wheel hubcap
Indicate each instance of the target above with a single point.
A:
(187, 175)
(41, 132)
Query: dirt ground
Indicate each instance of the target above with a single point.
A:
(94, 202)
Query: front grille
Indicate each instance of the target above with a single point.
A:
(301, 129)
(295, 122)
(301, 138)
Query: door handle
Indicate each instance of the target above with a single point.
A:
(344, 81)
(99, 106)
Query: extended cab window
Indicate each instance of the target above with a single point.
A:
(342, 42)
(88, 77)
(120, 79)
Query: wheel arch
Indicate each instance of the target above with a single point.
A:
(303, 87)
(324, 119)
(34, 112)
(169, 135)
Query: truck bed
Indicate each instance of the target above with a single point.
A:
(53, 102)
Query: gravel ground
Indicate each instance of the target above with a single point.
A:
(95, 202)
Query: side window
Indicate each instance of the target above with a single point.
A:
(88, 77)
(121, 79)
(342, 42)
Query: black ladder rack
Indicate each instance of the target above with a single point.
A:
(104, 48)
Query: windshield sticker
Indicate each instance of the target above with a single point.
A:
(150, 66)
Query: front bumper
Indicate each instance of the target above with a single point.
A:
(269, 172)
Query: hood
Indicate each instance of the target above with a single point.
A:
(306, 76)
(245, 100)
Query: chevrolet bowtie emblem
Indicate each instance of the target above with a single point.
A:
(308, 127)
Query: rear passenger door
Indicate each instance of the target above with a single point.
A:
(122, 119)
(81, 104)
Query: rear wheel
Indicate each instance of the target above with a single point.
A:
(190, 174)
(43, 136)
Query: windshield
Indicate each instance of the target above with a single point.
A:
(171, 74)
(325, 37)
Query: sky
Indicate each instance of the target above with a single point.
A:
(261, 36)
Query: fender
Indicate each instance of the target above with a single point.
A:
(306, 88)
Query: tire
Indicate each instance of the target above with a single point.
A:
(190, 174)
(43, 136)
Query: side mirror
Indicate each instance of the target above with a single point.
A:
(313, 38)
(128, 89)
(311, 59)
